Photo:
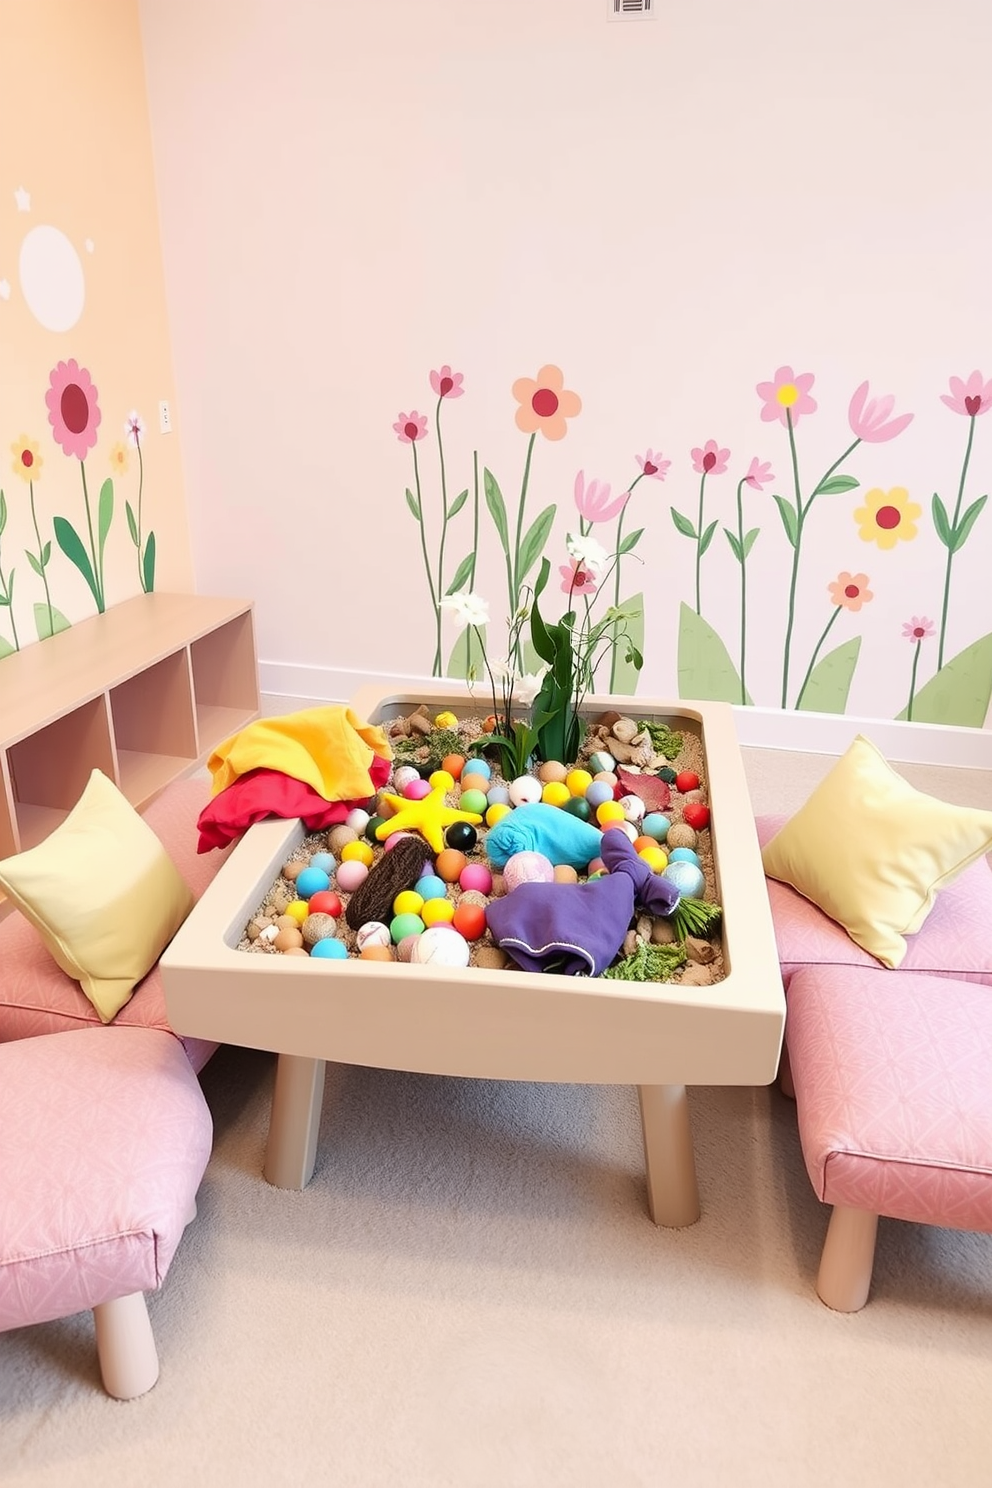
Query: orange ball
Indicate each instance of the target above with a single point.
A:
(470, 921)
(454, 764)
(640, 843)
(376, 953)
(449, 864)
(474, 781)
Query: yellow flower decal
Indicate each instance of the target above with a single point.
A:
(888, 517)
(27, 461)
(118, 459)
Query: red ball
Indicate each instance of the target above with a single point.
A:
(696, 815)
(470, 920)
(686, 780)
(326, 902)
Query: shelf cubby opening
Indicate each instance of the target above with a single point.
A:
(50, 768)
(154, 727)
(225, 678)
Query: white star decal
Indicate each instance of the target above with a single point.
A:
(23, 199)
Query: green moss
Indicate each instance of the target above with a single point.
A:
(665, 740)
(649, 963)
(429, 749)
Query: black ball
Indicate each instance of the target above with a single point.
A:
(462, 836)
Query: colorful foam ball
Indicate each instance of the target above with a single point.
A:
(299, 910)
(687, 878)
(578, 806)
(438, 912)
(686, 780)
(408, 902)
(372, 828)
(358, 852)
(498, 795)
(597, 793)
(482, 767)
(565, 873)
(441, 780)
(655, 857)
(551, 770)
(609, 811)
(601, 762)
(449, 864)
(326, 902)
(633, 808)
(595, 867)
(474, 801)
(683, 855)
(476, 876)
(525, 790)
(377, 953)
(470, 921)
(626, 827)
(416, 790)
(372, 933)
(555, 793)
(656, 825)
(430, 886)
(325, 861)
(454, 764)
(403, 775)
(644, 841)
(445, 720)
(527, 867)
(473, 780)
(462, 835)
(329, 949)
(440, 947)
(578, 781)
(404, 947)
(311, 881)
(351, 876)
(393, 838)
(357, 819)
(402, 925)
(667, 774)
(497, 812)
(697, 814)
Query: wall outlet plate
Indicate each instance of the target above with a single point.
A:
(631, 10)
(164, 417)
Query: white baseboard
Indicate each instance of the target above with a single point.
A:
(757, 728)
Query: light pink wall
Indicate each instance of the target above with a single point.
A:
(351, 195)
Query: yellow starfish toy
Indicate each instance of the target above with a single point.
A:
(428, 816)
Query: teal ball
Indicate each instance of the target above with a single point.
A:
(329, 949)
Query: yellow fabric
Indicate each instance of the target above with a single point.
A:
(103, 894)
(329, 748)
(872, 853)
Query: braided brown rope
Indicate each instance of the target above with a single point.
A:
(395, 871)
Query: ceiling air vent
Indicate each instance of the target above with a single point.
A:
(631, 10)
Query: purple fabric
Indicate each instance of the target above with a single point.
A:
(577, 929)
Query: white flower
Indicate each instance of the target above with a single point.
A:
(587, 550)
(134, 427)
(502, 670)
(526, 688)
(467, 608)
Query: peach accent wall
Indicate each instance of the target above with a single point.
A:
(80, 283)
(670, 212)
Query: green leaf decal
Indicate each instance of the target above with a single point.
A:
(789, 520)
(70, 542)
(148, 564)
(630, 542)
(497, 507)
(467, 653)
(6, 649)
(534, 540)
(965, 525)
(48, 622)
(132, 525)
(836, 485)
(960, 691)
(941, 524)
(458, 503)
(34, 564)
(750, 539)
(735, 546)
(683, 524)
(627, 673)
(461, 574)
(3, 512)
(830, 680)
(413, 504)
(46, 553)
(705, 668)
(707, 538)
(105, 515)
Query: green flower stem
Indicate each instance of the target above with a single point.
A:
(912, 680)
(950, 555)
(800, 517)
(141, 489)
(816, 652)
(436, 672)
(699, 538)
(616, 579)
(828, 473)
(97, 582)
(475, 553)
(516, 579)
(41, 561)
(740, 539)
(444, 518)
(7, 595)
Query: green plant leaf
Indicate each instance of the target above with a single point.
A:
(940, 522)
(461, 574)
(960, 692)
(534, 540)
(705, 668)
(413, 504)
(735, 546)
(466, 653)
(148, 564)
(48, 622)
(458, 503)
(6, 649)
(630, 542)
(966, 523)
(105, 515)
(34, 564)
(3, 512)
(46, 553)
(4, 598)
(497, 507)
(70, 542)
(789, 519)
(750, 540)
(836, 485)
(539, 634)
(830, 680)
(683, 524)
(707, 538)
(627, 673)
(132, 525)
(541, 582)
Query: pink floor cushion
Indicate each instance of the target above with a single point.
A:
(104, 1137)
(36, 997)
(893, 1080)
(955, 941)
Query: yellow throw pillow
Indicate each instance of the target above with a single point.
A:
(103, 894)
(872, 853)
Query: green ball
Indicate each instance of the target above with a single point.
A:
(403, 925)
(370, 830)
(578, 806)
(473, 800)
(667, 774)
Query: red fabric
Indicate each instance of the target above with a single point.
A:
(261, 793)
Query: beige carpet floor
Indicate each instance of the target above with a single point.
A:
(470, 1293)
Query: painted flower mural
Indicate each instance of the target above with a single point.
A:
(74, 414)
(28, 464)
(888, 517)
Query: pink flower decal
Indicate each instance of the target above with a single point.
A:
(447, 384)
(593, 499)
(971, 397)
(654, 465)
(786, 394)
(711, 459)
(576, 578)
(73, 411)
(870, 419)
(410, 427)
(759, 473)
(919, 628)
(850, 591)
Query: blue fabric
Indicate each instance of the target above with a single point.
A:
(537, 827)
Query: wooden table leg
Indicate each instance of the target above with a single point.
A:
(291, 1150)
(673, 1195)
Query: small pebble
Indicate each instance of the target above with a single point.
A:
(292, 869)
(339, 836)
(490, 957)
(288, 937)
